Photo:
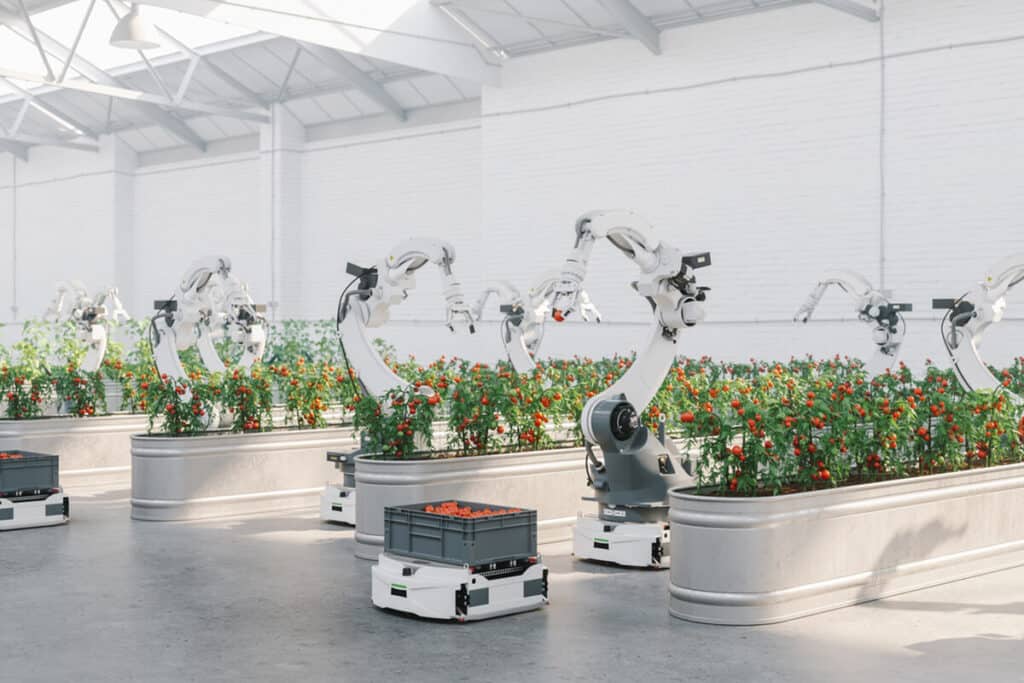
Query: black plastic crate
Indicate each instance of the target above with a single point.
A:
(28, 474)
(411, 531)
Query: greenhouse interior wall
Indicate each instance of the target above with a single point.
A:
(888, 153)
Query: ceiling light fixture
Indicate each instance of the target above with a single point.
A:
(134, 32)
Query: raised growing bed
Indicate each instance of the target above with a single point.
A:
(216, 474)
(747, 561)
(94, 451)
(552, 482)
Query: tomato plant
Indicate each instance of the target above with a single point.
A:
(246, 394)
(182, 406)
(398, 424)
(25, 382)
(306, 388)
(773, 428)
(82, 393)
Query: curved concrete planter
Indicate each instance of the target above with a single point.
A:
(746, 561)
(94, 451)
(181, 478)
(551, 482)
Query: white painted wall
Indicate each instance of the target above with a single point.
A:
(362, 196)
(193, 210)
(57, 221)
(759, 138)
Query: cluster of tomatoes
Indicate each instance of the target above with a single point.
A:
(452, 508)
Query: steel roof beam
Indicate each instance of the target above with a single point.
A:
(852, 8)
(52, 111)
(138, 96)
(152, 111)
(356, 77)
(464, 7)
(636, 22)
(407, 32)
(20, 140)
(213, 68)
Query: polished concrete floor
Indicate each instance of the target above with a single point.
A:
(281, 598)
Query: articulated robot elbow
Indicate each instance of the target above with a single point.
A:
(872, 306)
(210, 302)
(969, 317)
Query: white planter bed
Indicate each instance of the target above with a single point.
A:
(181, 478)
(551, 482)
(94, 451)
(751, 561)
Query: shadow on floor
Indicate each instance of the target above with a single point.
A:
(987, 649)
(948, 606)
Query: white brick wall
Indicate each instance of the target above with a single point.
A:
(64, 221)
(193, 210)
(362, 196)
(757, 138)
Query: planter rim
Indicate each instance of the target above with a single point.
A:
(147, 446)
(124, 423)
(55, 418)
(221, 434)
(368, 457)
(687, 493)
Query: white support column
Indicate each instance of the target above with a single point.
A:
(281, 144)
(123, 162)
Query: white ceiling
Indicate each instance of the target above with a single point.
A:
(243, 70)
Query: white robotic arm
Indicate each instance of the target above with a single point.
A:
(77, 292)
(111, 300)
(90, 316)
(968, 317)
(520, 338)
(873, 307)
(210, 300)
(383, 286)
(522, 328)
(542, 297)
(671, 289)
(632, 480)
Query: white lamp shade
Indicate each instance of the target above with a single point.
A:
(133, 32)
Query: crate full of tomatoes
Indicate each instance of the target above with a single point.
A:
(460, 532)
